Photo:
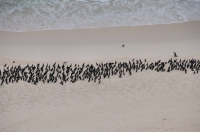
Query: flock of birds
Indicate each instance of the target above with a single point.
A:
(68, 73)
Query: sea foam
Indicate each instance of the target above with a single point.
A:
(29, 15)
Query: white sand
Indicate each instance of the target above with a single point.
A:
(144, 102)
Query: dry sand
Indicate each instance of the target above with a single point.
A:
(144, 102)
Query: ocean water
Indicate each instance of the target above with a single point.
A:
(26, 15)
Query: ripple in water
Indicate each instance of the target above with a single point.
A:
(17, 15)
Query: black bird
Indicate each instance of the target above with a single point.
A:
(185, 71)
(13, 61)
(122, 45)
(175, 54)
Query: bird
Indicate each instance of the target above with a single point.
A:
(13, 61)
(122, 45)
(175, 54)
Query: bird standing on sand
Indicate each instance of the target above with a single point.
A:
(175, 54)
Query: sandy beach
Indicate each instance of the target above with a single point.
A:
(147, 101)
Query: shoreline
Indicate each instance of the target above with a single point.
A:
(102, 44)
(69, 29)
